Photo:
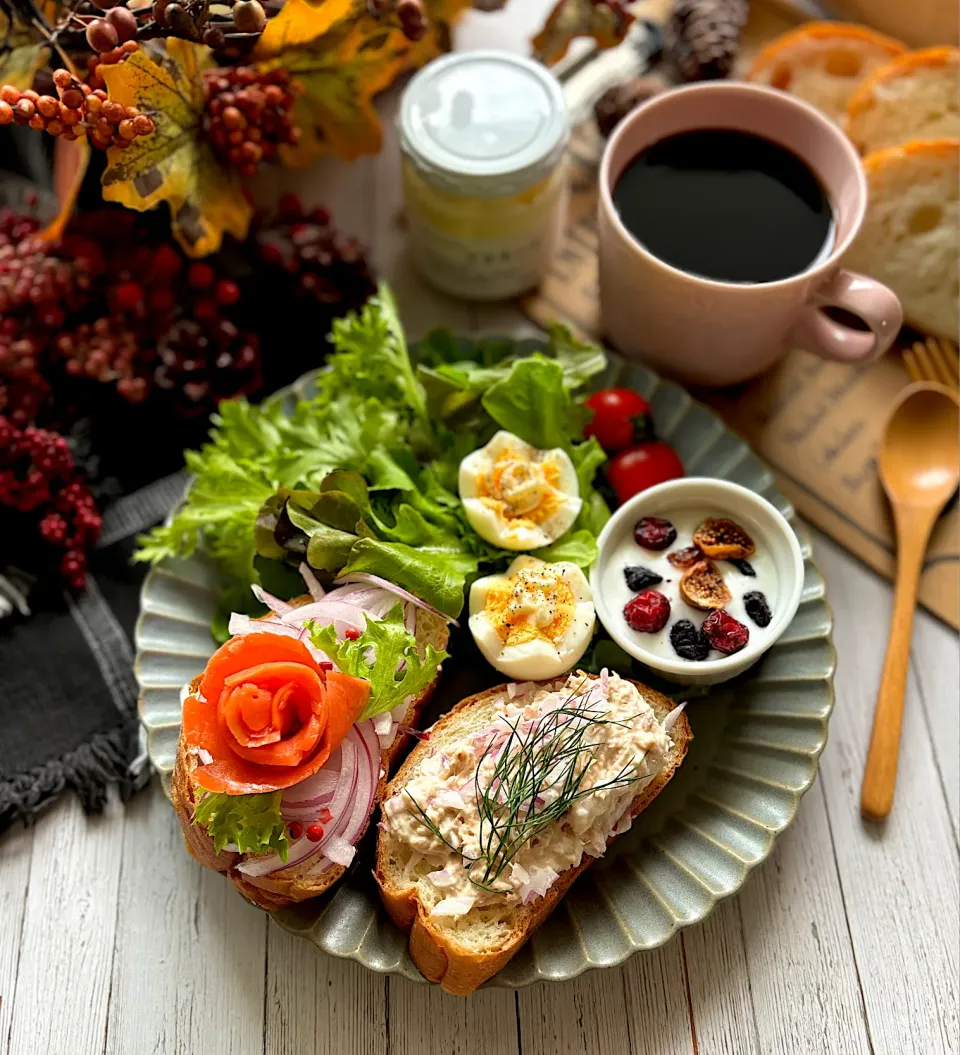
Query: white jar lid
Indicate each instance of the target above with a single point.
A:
(484, 123)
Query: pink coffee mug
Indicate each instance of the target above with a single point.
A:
(717, 333)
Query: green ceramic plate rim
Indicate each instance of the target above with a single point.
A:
(405, 969)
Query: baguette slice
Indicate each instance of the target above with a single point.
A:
(289, 884)
(823, 63)
(462, 958)
(909, 239)
(913, 97)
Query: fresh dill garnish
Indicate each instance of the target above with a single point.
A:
(556, 756)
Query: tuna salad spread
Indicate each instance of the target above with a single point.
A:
(502, 811)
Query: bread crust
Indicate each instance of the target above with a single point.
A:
(819, 31)
(461, 971)
(288, 885)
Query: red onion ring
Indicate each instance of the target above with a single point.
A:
(363, 576)
(275, 605)
(311, 582)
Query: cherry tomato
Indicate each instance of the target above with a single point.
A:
(621, 418)
(640, 467)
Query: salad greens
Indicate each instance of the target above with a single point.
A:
(392, 645)
(251, 822)
(363, 475)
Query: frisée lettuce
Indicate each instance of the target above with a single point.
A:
(362, 474)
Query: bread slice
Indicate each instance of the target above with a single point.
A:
(909, 239)
(823, 63)
(464, 953)
(913, 97)
(289, 884)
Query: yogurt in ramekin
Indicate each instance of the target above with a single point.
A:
(777, 564)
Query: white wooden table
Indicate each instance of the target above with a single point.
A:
(113, 941)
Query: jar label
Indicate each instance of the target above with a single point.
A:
(485, 268)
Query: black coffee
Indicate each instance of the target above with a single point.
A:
(725, 205)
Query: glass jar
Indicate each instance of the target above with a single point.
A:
(483, 136)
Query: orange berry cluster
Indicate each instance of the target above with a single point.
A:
(107, 58)
(80, 110)
(247, 114)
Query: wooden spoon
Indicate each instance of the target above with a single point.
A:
(919, 461)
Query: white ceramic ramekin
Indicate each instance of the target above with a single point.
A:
(705, 497)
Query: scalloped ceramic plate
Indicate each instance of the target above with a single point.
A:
(756, 748)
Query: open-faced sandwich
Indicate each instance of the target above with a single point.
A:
(289, 733)
(516, 792)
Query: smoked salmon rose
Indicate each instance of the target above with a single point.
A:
(268, 714)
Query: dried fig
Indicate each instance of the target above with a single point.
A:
(723, 539)
(702, 586)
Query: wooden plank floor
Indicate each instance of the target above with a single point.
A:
(846, 941)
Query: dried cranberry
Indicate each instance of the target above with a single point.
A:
(639, 578)
(689, 642)
(648, 612)
(685, 558)
(725, 634)
(757, 607)
(654, 533)
(743, 566)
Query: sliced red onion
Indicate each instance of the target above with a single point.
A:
(519, 873)
(410, 618)
(604, 682)
(408, 730)
(449, 797)
(275, 605)
(241, 625)
(311, 582)
(326, 612)
(671, 718)
(340, 851)
(315, 791)
(362, 576)
(538, 884)
(450, 907)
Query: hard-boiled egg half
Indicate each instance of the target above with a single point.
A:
(535, 620)
(516, 496)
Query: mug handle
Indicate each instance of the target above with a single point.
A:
(873, 302)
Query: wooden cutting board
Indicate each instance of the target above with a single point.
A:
(816, 423)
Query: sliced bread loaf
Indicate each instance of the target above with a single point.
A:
(909, 239)
(823, 63)
(913, 97)
(295, 883)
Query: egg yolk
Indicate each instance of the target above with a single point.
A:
(520, 489)
(530, 606)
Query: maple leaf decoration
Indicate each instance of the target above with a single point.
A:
(606, 23)
(343, 55)
(175, 164)
(20, 54)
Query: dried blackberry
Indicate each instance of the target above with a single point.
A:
(639, 578)
(688, 641)
(743, 566)
(757, 608)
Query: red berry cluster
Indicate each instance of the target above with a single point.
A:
(95, 63)
(328, 268)
(38, 477)
(80, 110)
(247, 116)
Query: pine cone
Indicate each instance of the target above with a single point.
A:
(703, 36)
(616, 102)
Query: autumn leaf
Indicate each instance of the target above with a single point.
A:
(342, 55)
(579, 18)
(70, 160)
(20, 54)
(175, 164)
